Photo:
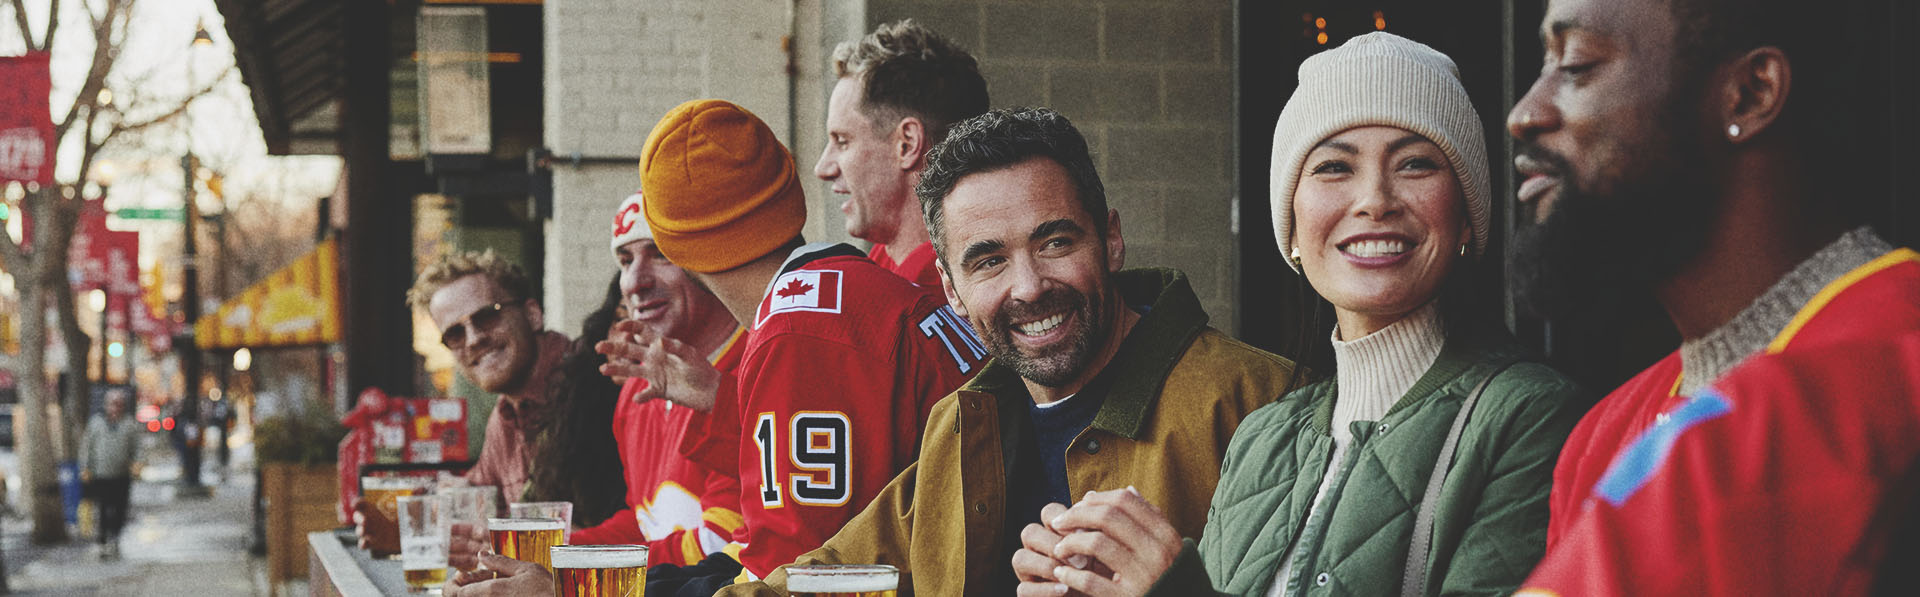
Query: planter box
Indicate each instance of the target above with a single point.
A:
(298, 500)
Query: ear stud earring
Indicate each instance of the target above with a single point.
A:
(1733, 131)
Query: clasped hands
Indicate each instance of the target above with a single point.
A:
(1111, 543)
(674, 371)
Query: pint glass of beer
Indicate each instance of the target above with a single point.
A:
(424, 529)
(600, 570)
(382, 519)
(525, 539)
(843, 581)
(560, 510)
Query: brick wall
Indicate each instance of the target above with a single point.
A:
(613, 68)
(1149, 82)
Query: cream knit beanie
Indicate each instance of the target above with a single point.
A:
(1380, 79)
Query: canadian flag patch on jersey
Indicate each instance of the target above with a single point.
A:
(802, 290)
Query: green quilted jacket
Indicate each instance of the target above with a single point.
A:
(1490, 527)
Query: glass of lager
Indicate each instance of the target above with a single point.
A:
(382, 519)
(526, 539)
(600, 570)
(424, 529)
(843, 581)
(560, 510)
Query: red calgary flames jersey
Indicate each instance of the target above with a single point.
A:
(916, 265)
(1773, 481)
(843, 363)
(679, 507)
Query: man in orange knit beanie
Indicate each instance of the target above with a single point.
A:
(843, 358)
(840, 352)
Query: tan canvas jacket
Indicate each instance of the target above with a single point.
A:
(1175, 392)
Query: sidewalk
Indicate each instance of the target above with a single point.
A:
(172, 545)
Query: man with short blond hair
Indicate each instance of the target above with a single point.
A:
(483, 306)
(900, 88)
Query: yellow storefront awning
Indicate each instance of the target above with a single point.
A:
(296, 306)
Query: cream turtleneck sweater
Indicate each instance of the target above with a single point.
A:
(1372, 373)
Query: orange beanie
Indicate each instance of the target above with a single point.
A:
(721, 190)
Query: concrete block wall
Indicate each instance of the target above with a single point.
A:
(614, 67)
(1150, 83)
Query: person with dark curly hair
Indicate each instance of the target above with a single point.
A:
(574, 457)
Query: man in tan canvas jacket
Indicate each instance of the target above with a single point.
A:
(1101, 379)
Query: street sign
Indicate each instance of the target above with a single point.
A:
(142, 213)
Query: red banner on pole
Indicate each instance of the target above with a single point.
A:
(26, 119)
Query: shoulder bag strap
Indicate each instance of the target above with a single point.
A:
(1413, 581)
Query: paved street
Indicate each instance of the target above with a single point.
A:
(173, 544)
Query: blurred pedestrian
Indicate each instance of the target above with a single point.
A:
(106, 466)
(221, 420)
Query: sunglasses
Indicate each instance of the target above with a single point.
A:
(482, 319)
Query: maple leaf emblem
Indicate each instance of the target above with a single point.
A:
(794, 288)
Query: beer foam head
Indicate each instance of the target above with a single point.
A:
(525, 524)
(599, 556)
(841, 579)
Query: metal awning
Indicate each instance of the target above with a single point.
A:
(292, 56)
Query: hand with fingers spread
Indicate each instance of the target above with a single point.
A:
(673, 370)
(463, 550)
(615, 335)
(504, 576)
(1034, 564)
(1127, 539)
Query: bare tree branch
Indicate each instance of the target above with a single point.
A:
(53, 22)
(123, 127)
(104, 54)
(20, 19)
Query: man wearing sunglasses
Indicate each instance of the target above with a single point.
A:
(675, 353)
(480, 303)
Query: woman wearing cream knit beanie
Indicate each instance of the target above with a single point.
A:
(1375, 482)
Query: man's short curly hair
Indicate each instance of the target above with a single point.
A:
(905, 69)
(459, 265)
(1002, 138)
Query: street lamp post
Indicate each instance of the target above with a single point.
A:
(190, 363)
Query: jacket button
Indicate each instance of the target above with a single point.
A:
(1322, 580)
(1383, 428)
(979, 508)
(1093, 446)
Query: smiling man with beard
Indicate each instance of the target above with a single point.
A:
(1675, 147)
(1101, 378)
(496, 331)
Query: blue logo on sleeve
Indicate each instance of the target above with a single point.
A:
(1643, 458)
